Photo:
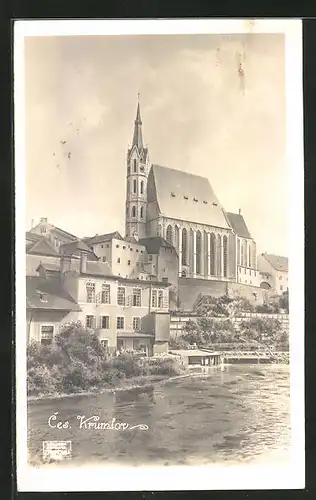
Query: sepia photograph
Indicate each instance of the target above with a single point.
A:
(159, 255)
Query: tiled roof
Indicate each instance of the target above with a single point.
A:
(66, 233)
(185, 196)
(238, 224)
(32, 236)
(49, 293)
(100, 238)
(278, 262)
(75, 246)
(154, 243)
(49, 266)
(41, 247)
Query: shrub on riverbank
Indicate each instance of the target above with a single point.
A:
(76, 362)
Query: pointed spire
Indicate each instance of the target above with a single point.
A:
(138, 136)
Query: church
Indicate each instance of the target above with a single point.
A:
(183, 209)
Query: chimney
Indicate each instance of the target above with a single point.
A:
(83, 262)
(65, 264)
(239, 211)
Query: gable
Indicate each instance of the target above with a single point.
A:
(42, 247)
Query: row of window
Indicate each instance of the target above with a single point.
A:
(104, 297)
(244, 257)
(134, 212)
(251, 272)
(142, 168)
(134, 185)
(105, 322)
(215, 253)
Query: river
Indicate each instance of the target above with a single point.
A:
(238, 414)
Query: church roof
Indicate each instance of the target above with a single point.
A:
(154, 244)
(184, 196)
(278, 262)
(238, 224)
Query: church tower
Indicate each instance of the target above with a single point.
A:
(136, 183)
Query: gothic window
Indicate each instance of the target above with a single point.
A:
(212, 254)
(225, 256)
(184, 246)
(134, 186)
(219, 255)
(198, 252)
(249, 256)
(128, 169)
(245, 253)
(141, 212)
(133, 211)
(169, 235)
(176, 237)
(238, 251)
(142, 187)
(241, 253)
(135, 166)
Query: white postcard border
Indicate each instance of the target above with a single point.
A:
(96, 478)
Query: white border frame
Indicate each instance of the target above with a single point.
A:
(96, 478)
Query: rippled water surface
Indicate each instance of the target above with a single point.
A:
(235, 415)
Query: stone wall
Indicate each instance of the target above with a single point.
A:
(191, 289)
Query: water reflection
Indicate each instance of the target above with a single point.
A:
(236, 413)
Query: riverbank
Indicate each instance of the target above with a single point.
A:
(125, 385)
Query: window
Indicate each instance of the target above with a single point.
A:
(281, 287)
(136, 324)
(160, 298)
(154, 298)
(214, 204)
(137, 297)
(204, 201)
(150, 258)
(90, 287)
(121, 296)
(43, 296)
(105, 322)
(43, 229)
(173, 195)
(238, 251)
(106, 294)
(195, 199)
(198, 252)
(104, 259)
(184, 246)
(212, 254)
(118, 260)
(225, 263)
(104, 343)
(120, 322)
(141, 212)
(47, 334)
(249, 255)
(117, 246)
(89, 321)
(133, 211)
(137, 250)
(250, 282)
(142, 187)
(124, 248)
(135, 166)
(128, 169)
(185, 197)
(128, 262)
(134, 186)
(280, 277)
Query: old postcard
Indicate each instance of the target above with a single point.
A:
(159, 255)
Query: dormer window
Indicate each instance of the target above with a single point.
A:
(204, 201)
(214, 204)
(195, 199)
(173, 195)
(42, 296)
(185, 197)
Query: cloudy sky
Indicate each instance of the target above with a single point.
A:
(211, 105)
